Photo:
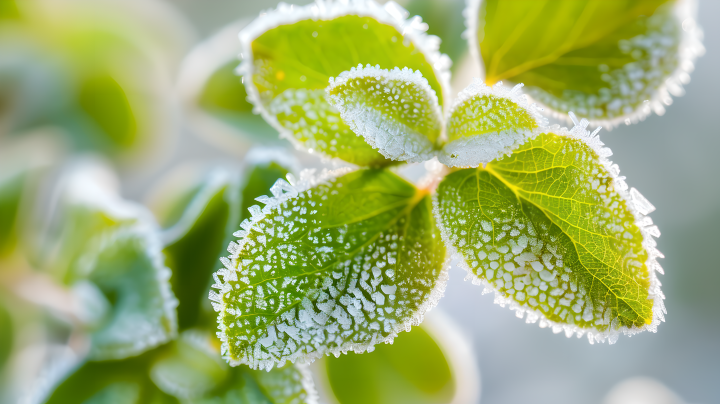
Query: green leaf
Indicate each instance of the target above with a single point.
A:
(97, 237)
(396, 111)
(556, 233)
(107, 106)
(602, 59)
(413, 369)
(195, 242)
(338, 266)
(291, 53)
(224, 97)
(487, 123)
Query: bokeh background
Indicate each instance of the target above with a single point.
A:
(671, 159)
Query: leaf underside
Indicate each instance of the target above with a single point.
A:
(293, 63)
(396, 111)
(546, 228)
(601, 59)
(339, 267)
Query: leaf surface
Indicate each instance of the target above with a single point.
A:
(601, 59)
(291, 53)
(556, 233)
(486, 123)
(340, 266)
(396, 111)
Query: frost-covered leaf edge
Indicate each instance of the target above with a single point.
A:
(75, 183)
(424, 146)
(691, 47)
(282, 191)
(637, 204)
(483, 147)
(390, 13)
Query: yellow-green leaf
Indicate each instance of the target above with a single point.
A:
(601, 59)
(557, 234)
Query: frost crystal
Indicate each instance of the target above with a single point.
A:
(396, 111)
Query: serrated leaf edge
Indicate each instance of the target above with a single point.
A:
(691, 47)
(229, 273)
(638, 206)
(390, 13)
(425, 150)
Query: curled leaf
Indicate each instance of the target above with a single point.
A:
(332, 266)
(396, 111)
(557, 234)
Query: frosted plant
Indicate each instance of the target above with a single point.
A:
(535, 213)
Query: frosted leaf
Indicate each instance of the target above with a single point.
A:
(613, 61)
(487, 123)
(344, 265)
(553, 230)
(115, 244)
(290, 53)
(396, 111)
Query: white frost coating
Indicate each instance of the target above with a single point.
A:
(87, 184)
(472, 151)
(689, 49)
(637, 204)
(393, 138)
(284, 192)
(390, 13)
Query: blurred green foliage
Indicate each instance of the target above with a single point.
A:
(413, 369)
